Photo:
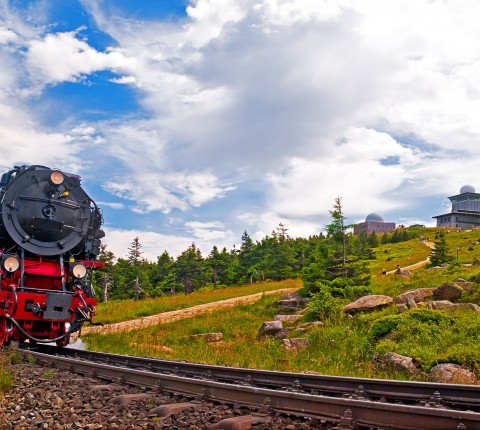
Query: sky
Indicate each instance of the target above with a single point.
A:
(192, 121)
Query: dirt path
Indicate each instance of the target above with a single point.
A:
(167, 317)
(414, 266)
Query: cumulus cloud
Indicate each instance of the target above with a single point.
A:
(295, 101)
(62, 57)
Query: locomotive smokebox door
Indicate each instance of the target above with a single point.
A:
(57, 306)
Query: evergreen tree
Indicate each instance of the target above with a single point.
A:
(441, 253)
(337, 233)
(219, 263)
(373, 239)
(134, 252)
(189, 269)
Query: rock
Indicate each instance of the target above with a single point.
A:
(207, 337)
(296, 343)
(283, 333)
(368, 303)
(400, 362)
(447, 291)
(287, 318)
(440, 305)
(270, 328)
(292, 305)
(312, 325)
(411, 302)
(402, 308)
(466, 286)
(452, 374)
(467, 307)
(418, 295)
(290, 296)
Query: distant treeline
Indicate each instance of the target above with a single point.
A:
(335, 254)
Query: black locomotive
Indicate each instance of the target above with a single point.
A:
(50, 236)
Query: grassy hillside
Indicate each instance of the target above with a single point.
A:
(345, 346)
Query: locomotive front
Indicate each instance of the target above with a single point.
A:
(50, 232)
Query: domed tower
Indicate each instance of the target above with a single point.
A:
(373, 223)
(465, 211)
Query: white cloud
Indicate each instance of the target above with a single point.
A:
(62, 57)
(274, 106)
(7, 36)
(153, 244)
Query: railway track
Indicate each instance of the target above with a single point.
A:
(351, 403)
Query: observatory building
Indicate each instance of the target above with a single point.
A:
(465, 211)
(373, 223)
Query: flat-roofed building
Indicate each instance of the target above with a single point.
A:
(373, 223)
(465, 211)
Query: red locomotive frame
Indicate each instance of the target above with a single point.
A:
(41, 301)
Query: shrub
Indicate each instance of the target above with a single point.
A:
(384, 325)
(323, 306)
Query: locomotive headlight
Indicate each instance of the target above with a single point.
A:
(11, 264)
(57, 177)
(79, 271)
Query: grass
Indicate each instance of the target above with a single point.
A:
(343, 347)
(8, 356)
(330, 353)
(124, 310)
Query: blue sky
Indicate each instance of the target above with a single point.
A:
(192, 121)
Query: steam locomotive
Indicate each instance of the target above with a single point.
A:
(50, 236)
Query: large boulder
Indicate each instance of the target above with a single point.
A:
(270, 328)
(447, 291)
(419, 295)
(452, 374)
(368, 303)
(396, 361)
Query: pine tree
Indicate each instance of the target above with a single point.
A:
(134, 252)
(337, 231)
(441, 253)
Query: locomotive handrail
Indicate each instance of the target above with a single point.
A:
(38, 199)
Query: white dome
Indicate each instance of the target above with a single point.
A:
(467, 189)
(374, 216)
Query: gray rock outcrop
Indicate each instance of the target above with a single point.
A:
(396, 361)
(452, 374)
(296, 343)
(447, 291)
(368, 303)
(419, 295)
(270, 328)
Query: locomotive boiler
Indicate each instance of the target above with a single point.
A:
(50, 235)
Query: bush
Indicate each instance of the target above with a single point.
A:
(385, 325)
(323, 306)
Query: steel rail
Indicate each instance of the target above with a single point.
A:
(361, 413)
(452, 395)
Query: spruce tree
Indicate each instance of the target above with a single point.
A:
(441, 253)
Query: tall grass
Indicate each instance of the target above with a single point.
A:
(124, 310)
(342, 349)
